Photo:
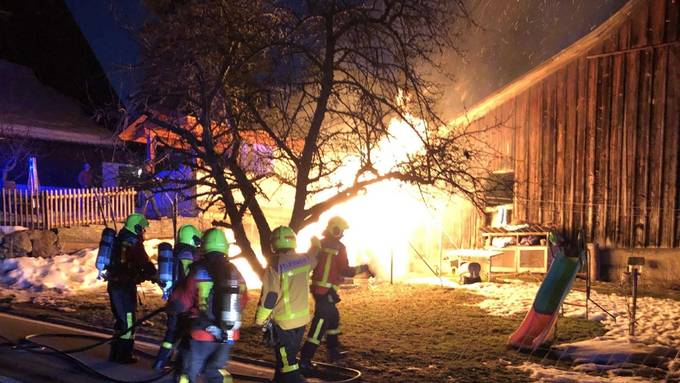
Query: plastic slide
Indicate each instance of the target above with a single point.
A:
(539, 323)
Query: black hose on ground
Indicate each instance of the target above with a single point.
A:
(347, 374)
(29, 338)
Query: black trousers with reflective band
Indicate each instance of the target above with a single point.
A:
(326, 323)
(286, 350)
(123, 299)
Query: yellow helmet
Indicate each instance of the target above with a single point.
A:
(336, 226)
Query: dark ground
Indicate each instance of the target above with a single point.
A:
(394, 333)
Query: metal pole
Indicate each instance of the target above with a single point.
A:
(634, 275)
(391, 266)
(441, 250)
(588, 260)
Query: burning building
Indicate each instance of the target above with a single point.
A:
(591, 138)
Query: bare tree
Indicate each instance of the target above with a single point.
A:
(317, 82)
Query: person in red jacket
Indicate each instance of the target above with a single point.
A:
(214, 293)
(331, 269)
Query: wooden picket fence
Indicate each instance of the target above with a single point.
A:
(48, 209)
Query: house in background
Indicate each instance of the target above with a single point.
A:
(38, 121)
(592, 140)
(43, 128)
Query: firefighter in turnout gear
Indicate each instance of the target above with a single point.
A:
(130, 266)
(184, 254)
(333, 266)
(283, 307)
(213, 294)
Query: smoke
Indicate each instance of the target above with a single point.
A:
(511, 38)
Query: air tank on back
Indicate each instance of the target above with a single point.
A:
(230, 312)
(166, 267)
(105, 250)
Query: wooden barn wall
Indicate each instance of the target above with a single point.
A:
(595, 144)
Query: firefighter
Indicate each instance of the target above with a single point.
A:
(184, 254)
(284, 305)
(213, 294)
(130, 266)
(330, 271)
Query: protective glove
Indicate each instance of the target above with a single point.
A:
(364, 269)
(316, 242)
(268, 335)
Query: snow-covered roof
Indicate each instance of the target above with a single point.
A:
(29, 108)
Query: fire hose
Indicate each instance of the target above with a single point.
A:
(34, 346)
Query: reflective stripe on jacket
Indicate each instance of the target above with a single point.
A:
(285, 288)
(332, 268)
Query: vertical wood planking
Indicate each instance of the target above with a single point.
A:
(639, 38)
(602, 180)
(561, 166)
(532, 154)
(581, 144)
(591, 138)
(616, 147)
(642, 157)
(548, 181)
(672, 142)
(658, 107)
(521, 156)
(570, 142)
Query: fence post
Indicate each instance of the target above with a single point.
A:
(72, 206)
(20, 205)
(4, 207)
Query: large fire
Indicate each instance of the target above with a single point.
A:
(390, 224)
(390, 221)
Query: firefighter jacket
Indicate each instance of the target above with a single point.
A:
(332, 267)
(129, 262)
(196, 296)
(285, 290)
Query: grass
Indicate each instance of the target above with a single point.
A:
(394, 333)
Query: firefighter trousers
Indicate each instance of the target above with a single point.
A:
(123, 297)
(326, 322)
(176, 330)
(207, 359)
(286, 350)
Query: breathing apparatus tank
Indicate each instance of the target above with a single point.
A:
(166, 268)
(230, 312)
(105, 251)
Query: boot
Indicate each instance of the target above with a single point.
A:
(163, 358)
(113, 353)
(334, 355)
(125, 350)
(305, 365)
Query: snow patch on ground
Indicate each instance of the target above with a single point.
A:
(552, 375)
(4, 230)
(63, 274)
(657, 332)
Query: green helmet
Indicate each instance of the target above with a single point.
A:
(214, 240)
(336, 226)
(135, 222)
(283, 238)
(189, 235)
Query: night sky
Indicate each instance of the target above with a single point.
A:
(513, 37)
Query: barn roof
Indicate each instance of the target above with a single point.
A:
(550, 66)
